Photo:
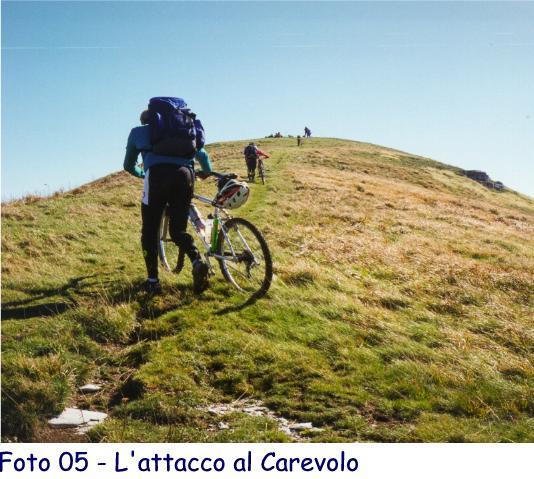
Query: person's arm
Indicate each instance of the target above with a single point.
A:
(130, 159)
(204, 160)
(262, 153)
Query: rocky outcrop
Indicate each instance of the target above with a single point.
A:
(483, 178)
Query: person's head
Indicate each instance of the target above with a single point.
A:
(251, 144)
(144, 118)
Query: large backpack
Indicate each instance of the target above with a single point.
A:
(174, 128)
(251, 153)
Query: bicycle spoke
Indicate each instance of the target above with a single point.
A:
(232, 267)
(225, 234)
(244, 241)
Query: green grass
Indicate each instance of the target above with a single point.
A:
(401, 308)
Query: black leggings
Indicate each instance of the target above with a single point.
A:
(166, 185)
(251, 165)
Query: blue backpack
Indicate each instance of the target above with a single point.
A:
(174, 128)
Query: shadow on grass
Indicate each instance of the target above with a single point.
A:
(238, 307)
(32, 307)
(52, 301)
(44, 302)
(32, 311)
(153, 306)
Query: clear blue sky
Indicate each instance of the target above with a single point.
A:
(452, 81)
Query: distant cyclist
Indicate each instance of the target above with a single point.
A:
(169, 141)
(252, 154)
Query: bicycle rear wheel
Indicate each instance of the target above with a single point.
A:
(246, 260)
(169, 253)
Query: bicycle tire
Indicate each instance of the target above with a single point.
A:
(262, 173)
(267, 277)
(170, 256)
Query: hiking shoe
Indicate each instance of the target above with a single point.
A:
(152, 287)
(200, 276)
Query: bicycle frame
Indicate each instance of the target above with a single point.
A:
(228, 243)
(218, 228)
(235, 243)
(210, 247)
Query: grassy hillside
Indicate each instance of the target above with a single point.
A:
(401, 308)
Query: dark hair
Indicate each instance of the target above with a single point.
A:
(144, 118)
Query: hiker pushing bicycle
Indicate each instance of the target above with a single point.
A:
(169, 141)
(253, 155)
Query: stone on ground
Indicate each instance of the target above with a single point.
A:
(90, 388)
(73, 417)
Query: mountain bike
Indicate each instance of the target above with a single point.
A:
(235, 243)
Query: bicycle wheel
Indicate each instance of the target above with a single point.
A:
(261, 171)
(169, 254)
(246, 262)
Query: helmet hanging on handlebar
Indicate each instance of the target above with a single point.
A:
(232, 194)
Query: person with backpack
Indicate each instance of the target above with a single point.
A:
(307, 132)
(169, 141)
(252, 154)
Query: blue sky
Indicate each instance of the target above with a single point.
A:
(452, 81)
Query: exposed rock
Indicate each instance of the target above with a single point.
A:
(223, 425)
(477, 175)
(483, 178)
(90, 388)
(81, 419)
(257, 409)
(301, 426)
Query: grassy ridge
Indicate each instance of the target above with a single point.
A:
(401, 308)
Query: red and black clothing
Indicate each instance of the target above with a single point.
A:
(252, 153)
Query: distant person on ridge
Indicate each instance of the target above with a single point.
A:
(298, 140)
(252, 153)
(307, 132)
(169, 141)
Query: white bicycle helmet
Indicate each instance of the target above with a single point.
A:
(232, 195)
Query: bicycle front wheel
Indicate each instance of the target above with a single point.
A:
(244, 257)
(261, 171)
